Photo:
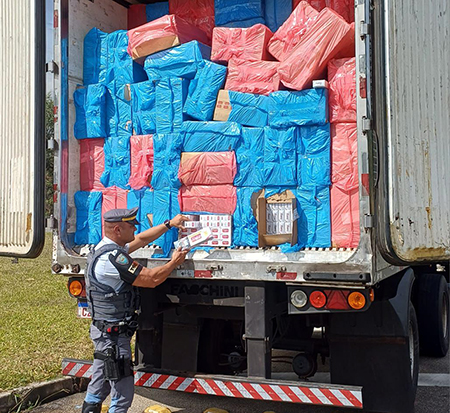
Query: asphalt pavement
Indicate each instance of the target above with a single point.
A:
(433, 396)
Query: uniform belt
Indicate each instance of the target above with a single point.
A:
(120, 327)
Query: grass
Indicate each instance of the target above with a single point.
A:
(38, 323)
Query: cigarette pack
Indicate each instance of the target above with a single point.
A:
(195, 239)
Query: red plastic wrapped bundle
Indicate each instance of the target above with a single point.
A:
(207, 168)
(216, 199)
(345, 231)
(160, 34)
(136, 16)
(199, 13)
(342, 79)
(92, 164)
(247, 44)
(141, 149)
(345, 8)
(329, 37)
(113, 198)
(289, 34)
(317, 4)
(259, 77)
(344, 156)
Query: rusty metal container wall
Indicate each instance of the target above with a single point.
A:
(418, 93)
(20, 51)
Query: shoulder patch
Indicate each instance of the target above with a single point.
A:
(122, 259)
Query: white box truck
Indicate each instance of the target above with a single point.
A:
(232, 308)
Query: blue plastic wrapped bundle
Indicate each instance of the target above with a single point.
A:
(280, 157)
(165, 206)
(121, 67)
(95, 57)
(276, 13)
(143, 112)
(89, 217)
(203, 91)
(181, 61)
(171, 93)
(143, 199)
(302, 108)
(249, 109)
(314, 155)
(166, 161)
(118, 111)
(250, 159)
(210, 136)
(226, 11)
(117, 162)
(154, 11)
(314, 224)
(243, 23)
(245, 226)
(90, 110)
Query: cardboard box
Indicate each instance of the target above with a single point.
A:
(219, 225)
(223, 106)
(161, 34)
(320, 84)
(277, 219)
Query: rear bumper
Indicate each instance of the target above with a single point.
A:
(240, 387)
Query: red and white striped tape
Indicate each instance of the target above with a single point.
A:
(307, 394)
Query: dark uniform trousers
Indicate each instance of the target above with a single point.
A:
(122, 391)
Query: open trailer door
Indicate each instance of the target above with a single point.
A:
(22, 131)
(411, 65)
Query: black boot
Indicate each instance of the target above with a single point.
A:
(91, 407)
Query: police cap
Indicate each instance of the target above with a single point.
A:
(122, 215)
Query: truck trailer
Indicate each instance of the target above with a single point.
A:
(369, 310)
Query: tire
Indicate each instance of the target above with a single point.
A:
(413, 344)
(433, 315)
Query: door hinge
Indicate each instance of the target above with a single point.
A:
(213, 268)
(368, 221)
(276, 268)
(51, 67)
(364, 30)
(366, 125)
(52, 144)
(52, 223)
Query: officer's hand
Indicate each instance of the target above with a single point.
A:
(179, 256)
(177, 221)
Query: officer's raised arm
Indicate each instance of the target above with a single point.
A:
(146, 237)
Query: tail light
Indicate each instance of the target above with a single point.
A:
(317, 299)
(356, 300)
(76, 288)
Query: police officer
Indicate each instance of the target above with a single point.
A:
(111, 280)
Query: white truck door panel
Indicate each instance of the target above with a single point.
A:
(22, 136)
(413, 94)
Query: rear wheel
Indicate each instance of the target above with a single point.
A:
(413, 344)
(433, 315)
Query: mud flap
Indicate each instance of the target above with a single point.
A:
(371, 349)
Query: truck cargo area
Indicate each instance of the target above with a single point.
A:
(269, 263)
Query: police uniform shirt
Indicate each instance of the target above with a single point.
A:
(105, 272)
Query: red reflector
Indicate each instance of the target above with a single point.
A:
(337, 300)
(202, 274)
(317, 299)
(365, 184)
(286, 275)
(363, 87)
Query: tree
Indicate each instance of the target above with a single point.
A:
(49, 162)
